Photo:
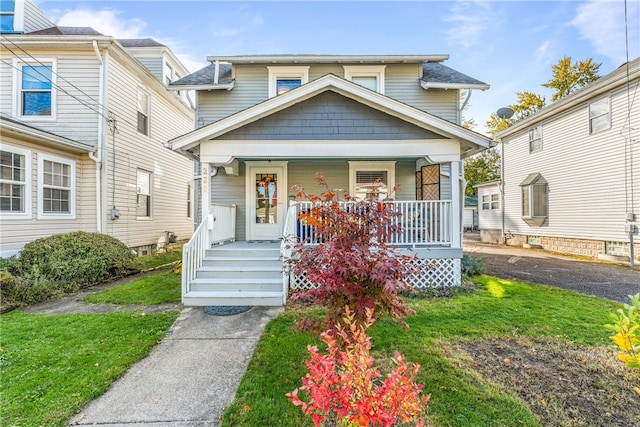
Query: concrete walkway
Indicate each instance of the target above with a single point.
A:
(189, 379)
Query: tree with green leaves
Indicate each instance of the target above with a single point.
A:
(567, 77)
(482, 167)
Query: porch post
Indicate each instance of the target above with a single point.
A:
(456, 202)
(205, 199)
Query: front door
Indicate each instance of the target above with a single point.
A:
(266, 200)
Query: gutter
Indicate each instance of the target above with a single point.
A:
(98, 158)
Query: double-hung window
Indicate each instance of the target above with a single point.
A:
(56, 187)
(143, 112)
(144, 185)
(535, 201)
(284, 79)
(15, 182)
(600, 115)
(369, 76)
(535, 139)
(36, 89)
(371, 179)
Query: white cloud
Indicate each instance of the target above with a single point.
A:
(105, 21)
(603, 23)
(470, 20)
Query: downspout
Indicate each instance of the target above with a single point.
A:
(216, 73)
(98, 157)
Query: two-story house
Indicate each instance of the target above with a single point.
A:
(571, 175)
(267, 122)
(84, 119)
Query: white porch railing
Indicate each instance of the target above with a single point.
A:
(218, 226)
(423, 223)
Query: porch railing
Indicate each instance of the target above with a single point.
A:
(423, 223)
(217, 226)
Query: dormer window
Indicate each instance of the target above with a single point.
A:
(284, 79)
(370, 76)
(11, 16)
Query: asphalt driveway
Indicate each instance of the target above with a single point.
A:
(600, 279)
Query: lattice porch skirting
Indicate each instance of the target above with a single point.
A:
(435, 273)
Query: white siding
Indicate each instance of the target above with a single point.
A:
(171, 172)
(585, 174)
(16, 232)
(155, 64)
(489, 218)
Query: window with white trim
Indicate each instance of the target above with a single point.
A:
(535, 201)
(15, 182)
(369, 76)
(371, 179)
(56, 187)
(599, 115)
(143, 112)
(490, 201)
(35, 91)
(284, 79)
(144, 184)
(535, 139)
(168, 73)
(7, 15)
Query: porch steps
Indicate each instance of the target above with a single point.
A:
(238, 274)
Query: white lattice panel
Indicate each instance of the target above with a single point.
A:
(434, 273)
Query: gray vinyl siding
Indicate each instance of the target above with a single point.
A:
(17, 231)
(230, 190)
(252, 87)
(155, 64)
(585, 174)
(406, 179)
(134, 151)
(329, 116)
(34, 18)
(304, 175)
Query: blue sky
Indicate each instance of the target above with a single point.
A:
(509, 44)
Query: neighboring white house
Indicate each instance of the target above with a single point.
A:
(267, 122)
(83, 128)
(572, 171)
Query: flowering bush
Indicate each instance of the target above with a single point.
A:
(344, 384)
(353, 265)
(627, 332)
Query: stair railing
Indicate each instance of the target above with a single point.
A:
(289, 239)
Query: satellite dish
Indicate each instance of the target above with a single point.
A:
(504, 113)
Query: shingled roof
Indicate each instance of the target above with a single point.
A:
(66, 31)
(148, 42)
(205, 77)
(437, 75)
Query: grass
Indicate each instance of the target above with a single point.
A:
(149, 262)
(500, 310)
(161, 287)
(54, 365)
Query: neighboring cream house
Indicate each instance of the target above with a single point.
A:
(572, 171)
(267, 122)
(83, 128)
(490, 211)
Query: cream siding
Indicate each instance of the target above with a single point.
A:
(585, 175)
(171, 173)
(155, 64)
(15, 232)
(34, 18)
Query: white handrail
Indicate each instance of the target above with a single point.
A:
(193, 253)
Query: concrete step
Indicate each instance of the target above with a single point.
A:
(225, 261)
(203, 298)
(243, 271)
(237, 285)
(230, 251)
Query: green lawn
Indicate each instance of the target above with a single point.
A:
(161, 287)
(148, 262)
(501, 310)
(53, 365)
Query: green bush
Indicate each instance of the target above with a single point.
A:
(472, 265)
(77, 258)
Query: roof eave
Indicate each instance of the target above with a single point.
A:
(439, 85)
(226, 86)
(328, 59)
(46, 137)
